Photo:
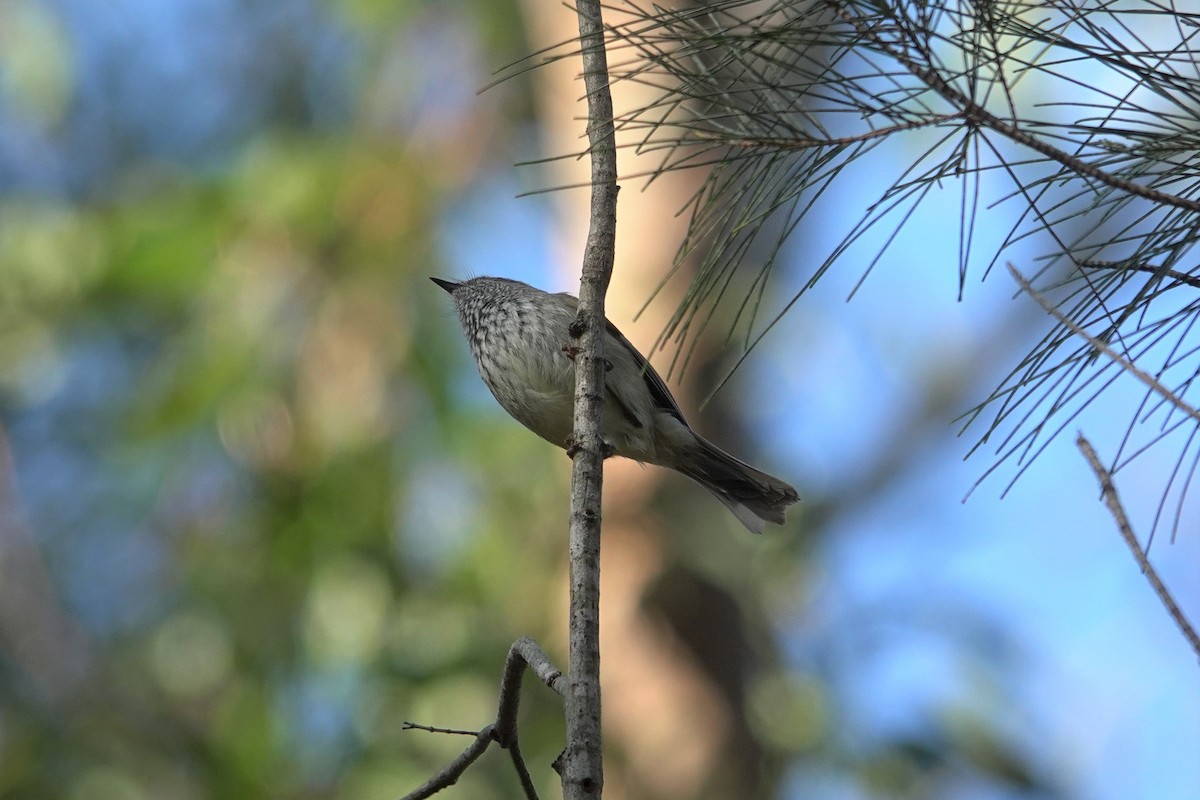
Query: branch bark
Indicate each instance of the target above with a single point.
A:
(583, 773)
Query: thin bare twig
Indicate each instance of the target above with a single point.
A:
(1124, 363)
(524, 653)
(583, 767)
(1109, 492)
(416, 726)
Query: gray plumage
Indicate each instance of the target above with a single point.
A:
(517, 334)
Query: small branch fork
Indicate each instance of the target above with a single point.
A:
(1124, 363)
(525, 653)
(1109, 492)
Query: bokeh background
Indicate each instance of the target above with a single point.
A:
(257, 510)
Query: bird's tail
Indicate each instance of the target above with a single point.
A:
(753, 496)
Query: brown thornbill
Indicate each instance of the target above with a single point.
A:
(521, 341)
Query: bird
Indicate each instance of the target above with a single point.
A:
(520, 338)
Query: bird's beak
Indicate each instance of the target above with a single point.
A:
(449, 286)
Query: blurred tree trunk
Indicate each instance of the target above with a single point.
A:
(673, 715)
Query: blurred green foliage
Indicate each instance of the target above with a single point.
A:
(274, 405)
(276, 529)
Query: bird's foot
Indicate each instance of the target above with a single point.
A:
(606, 448)
(572, 351)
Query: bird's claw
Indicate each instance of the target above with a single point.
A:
(606, 448)
(572, 351)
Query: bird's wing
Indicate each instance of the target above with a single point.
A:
(657, 386)
(654, 382)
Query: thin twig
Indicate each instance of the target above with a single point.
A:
(416, 726)
(1124, 363)
(1109, 491)
(583, 767)
(518, 762)
(525, 652)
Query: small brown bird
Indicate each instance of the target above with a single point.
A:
(517, 333)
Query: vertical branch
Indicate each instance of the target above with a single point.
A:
(582, 773)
